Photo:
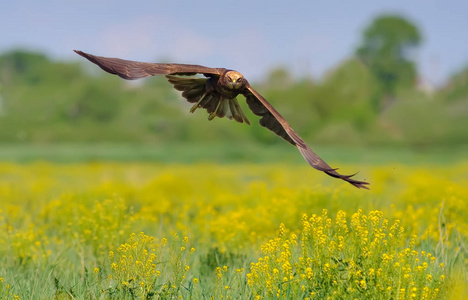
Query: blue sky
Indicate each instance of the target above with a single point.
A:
(308, 37)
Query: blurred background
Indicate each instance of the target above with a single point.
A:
(362, 81)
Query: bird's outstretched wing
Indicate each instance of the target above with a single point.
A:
(194, 89)
(128, 69)
(272, 120)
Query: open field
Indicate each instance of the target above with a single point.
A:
(128, 230)
(225, 151)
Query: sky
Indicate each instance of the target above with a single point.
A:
(309, 38)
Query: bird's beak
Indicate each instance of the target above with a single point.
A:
(233, 84)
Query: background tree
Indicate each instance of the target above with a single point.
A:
(387, 48)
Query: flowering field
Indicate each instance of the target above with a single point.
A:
(201, 231)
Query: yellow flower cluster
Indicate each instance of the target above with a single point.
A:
(144, 267)
(364, 259)
(63, 229)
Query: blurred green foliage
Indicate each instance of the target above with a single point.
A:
(43, 101)
(387, 49)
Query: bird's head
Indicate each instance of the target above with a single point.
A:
(234, 80)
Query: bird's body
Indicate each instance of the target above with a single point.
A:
(217, 94)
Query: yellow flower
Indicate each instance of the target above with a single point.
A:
(363, 284)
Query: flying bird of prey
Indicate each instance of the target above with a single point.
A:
(217, 94)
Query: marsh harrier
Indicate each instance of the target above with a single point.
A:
(217, 94)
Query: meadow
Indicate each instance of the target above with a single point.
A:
(113, 190)
(148, 230)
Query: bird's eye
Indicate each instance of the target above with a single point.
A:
(229, 79)
(239, 79)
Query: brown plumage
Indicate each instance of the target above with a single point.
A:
(217, 94)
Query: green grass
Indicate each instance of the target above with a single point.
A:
(225, 153)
